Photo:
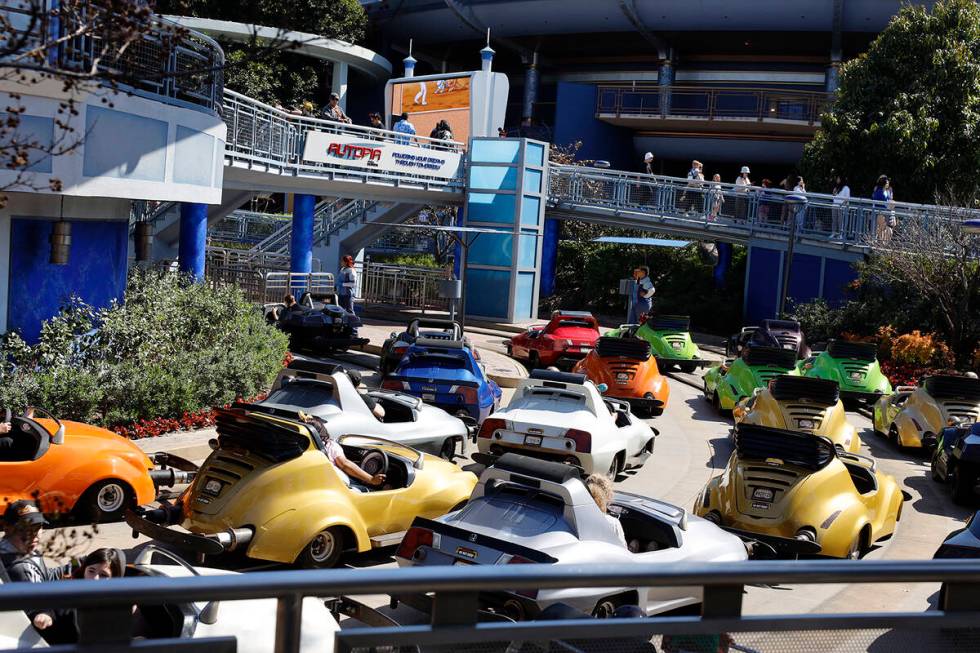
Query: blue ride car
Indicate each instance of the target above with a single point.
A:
(445, 374)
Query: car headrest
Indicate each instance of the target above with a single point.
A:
(943, 386)
(635, 348)
(862, 351)
(784, 358)
(540, 469)
(439, 343)
(820, 391)
(558, 377)
(670, 323)
(316, 367)
(754, 442)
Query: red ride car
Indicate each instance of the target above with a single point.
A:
(565, 340)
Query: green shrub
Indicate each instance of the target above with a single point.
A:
(172, 347)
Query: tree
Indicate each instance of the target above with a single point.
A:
(909, 107)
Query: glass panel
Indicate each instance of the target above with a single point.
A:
(490, 207)
(495, 151)
(494, 177)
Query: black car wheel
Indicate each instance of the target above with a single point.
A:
(533, 360)
(106, 501)
(448, 449)
(962, 487)
(688, 368)
(324, 549)
(934, 470)
(893, 436)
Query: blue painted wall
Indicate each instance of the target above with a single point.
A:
(837, 275)
(96, 270)
(761, 285)
(575, 121)
(804, 280)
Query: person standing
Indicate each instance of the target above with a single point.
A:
(333, 111)
(884, 216)
(348, 284)
(742, 184)
(648, 163)
(403, 126)
(643, 295)
(764, 201)
(695, 176)
(842, 196)
(796, 201)
(375, 120)
(716, 198)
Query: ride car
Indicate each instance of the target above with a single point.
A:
(562, 342)
(525, 510)
(782, 334)
(446, 374)
(913, 416)
(563, 417)
(961, 544)
(627, 369)
(269, 490)
(800, 404)
(956, 461)
(79, 469)
(854, 366)
(321, 325)
(670, 341)
(800, 494)
(397, 344)
(728, 383)
(326, 391)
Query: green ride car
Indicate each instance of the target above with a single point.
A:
(726, 384)
(670, 341)
(854, 365)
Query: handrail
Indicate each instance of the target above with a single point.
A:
(712, 102)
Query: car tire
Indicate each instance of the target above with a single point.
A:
(935, 473)
(858, 548)
(448, 449)
(533, 360)
(324, 549)
(617, 465)
(688, 368)
(961, 488)
(716, 402)
(106, 501)
(893, 436)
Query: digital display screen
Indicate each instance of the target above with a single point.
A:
(429, 101)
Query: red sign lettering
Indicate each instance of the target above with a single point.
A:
(347, 151)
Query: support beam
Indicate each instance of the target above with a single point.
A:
(301, 238)
(339, 82)
(628, 7)
(193, 245)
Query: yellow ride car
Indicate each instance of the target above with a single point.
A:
(915, 416)
(270, 490)
(799, 494)
(804, 404)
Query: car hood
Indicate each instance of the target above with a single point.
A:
(96, 441)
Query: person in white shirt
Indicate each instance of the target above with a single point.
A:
(742, 184)
(335, 453)
(842, 196)
(601, 489)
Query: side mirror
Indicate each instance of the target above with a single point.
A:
(602, 387)
(59, 435)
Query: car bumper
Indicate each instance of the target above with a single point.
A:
(498, 448)
(698, 362)
(155, 524)
(568, 361)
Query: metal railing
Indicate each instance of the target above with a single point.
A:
(261, 134)
(105, 608)
(268, 286)
(167, 63)
(712, 103)
(396, 285)
(247, 227)
(727, 212)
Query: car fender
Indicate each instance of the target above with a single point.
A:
(908, 434)
(283, 537)
(111, 467)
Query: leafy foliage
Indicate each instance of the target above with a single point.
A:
(909, 107)
(172, 348)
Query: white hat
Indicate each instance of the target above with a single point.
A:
(648, 156)
(745, 169)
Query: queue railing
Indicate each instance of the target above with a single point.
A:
(733, 213)
(105, 612)
(262, 134)
(401, 286)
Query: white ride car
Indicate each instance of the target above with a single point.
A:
(326, 391)
(525, 510)
(563, 417)
(252, 622)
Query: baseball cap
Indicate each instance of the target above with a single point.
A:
(23, 511)
(334, 96)
(648, 156)
(744, 169)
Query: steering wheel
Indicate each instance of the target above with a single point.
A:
(375, 462)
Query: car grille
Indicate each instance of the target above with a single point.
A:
(678, 338)
(966, 411)
(787, 340)
(766, 374)
(232, 469)
(618, 367)
(815, 414)
(776, 477)
(851, 367)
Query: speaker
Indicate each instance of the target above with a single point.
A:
(60, 243)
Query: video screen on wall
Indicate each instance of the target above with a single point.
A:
(429, 101)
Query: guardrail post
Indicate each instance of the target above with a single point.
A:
(100, 626)
(721, 601)
(455, 609)
(289, 618)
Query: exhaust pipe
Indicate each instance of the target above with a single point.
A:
(232, 538)
(170, 477)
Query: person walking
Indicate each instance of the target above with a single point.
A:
(765, 199)
(842, 196)
(884, 216)
(403, 126)
(333, 111)
(643, 295)
(348, 284)
(715, 199)
(742, 183)
(689, 197)
(797, 201)
(648, 163)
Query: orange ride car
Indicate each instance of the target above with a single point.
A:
(629, 372)
(69, 467)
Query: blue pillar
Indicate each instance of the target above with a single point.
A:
(549, 256)
(193, 244)
(724, 262)
(665, 79)
(832, 77)
(531, 83)
(301, 238)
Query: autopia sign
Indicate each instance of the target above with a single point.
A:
(382, 156)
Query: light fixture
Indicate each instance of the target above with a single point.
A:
(143, 240)
(60, 239)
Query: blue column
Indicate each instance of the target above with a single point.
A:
(665, 79)
(193, 244)
(549, 256)
(301, 238)
(724, 262)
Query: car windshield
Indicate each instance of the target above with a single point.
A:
(442, 362)
(303, 395)
(512, 512)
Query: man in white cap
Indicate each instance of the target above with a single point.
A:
(648, 163)
(742, 188)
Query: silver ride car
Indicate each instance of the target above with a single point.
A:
(526, 510)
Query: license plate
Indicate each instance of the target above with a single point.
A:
(763, 494)
(623, 376)
(428, 397)
(806, 423)
(677, 345)
(532, 440)
(461, 563)
(212, 487)
(466, 553)
(428, 388)
(585, 350)
(791, 347)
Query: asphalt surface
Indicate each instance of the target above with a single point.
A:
(693, 446)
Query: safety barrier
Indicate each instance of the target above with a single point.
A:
(261, 134)
(264, 286)
(247, 227)
(105, 608)
(711, 103)
(723, 211)
(168, 63)
(402, 286)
